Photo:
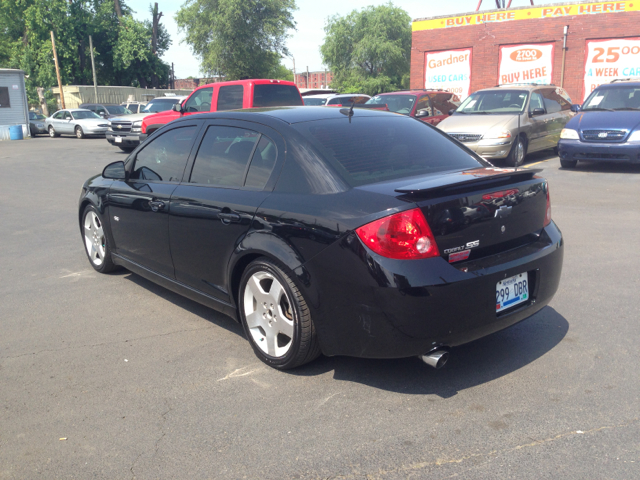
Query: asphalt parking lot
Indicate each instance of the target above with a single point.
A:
(111, 376)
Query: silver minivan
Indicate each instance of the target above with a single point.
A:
(509, 121)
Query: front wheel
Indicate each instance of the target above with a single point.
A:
(517, 153)
(52, 132)
(275, 317)
(95, 240)
(79, 132)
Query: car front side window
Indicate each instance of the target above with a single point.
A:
(164, 159)
(200, 101)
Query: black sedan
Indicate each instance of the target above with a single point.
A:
(333, 231)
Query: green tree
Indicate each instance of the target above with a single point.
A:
(122, 45)
(237, 38)
(369, 50)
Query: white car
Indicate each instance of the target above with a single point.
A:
(76, 121)
(335, 100)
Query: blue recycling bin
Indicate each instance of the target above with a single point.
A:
(15, 132)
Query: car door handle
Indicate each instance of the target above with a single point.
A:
(156, 206)
(229, 217)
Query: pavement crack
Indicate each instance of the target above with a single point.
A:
(92, 345)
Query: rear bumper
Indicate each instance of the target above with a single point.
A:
(601, 152)
(127, 139)
(397, 308)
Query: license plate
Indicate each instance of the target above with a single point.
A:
(118, 139)
(512, 291)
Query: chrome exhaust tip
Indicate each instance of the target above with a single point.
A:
(436, 358)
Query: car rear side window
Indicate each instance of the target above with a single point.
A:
(230, 97)
(276, 95)
(164, 158)
(223, 156)
(369, 150)
(262, 162)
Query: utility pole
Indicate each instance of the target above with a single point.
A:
(294, 70)
(307, 76)
(173, 77)
(55, 59)
(93, 67)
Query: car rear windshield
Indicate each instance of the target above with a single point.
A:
(494, 102)
(614, 98)
(275, 95)
(375, 149)
(155, 106)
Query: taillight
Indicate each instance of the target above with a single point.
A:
(404, 236)
(547, 215)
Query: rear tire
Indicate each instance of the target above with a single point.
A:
(275, 317)
(127, 149)
(517, 153)
(79, 132)
(568, 163)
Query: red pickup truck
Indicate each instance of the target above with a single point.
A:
(430, 106)
(228, 96)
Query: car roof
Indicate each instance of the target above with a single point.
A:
(255, 81)
(519, 86)
(290, 115)
(104, 104)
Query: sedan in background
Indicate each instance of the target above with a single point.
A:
(36, 123)
(79, 122)
(606, 128)
(326, 230)
(430, 106)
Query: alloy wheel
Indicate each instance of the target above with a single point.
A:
(94, 238)
(268, 314)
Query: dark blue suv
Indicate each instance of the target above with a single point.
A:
(607, 127)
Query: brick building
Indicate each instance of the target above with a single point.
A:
(477, 50)
(192, 83)
(319, 79)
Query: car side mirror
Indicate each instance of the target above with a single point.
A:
(177, 107)
(115, 171)
(422, 113)
(537, 111)
(451, 111)
(576, 107)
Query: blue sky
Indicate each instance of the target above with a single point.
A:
(310, 17)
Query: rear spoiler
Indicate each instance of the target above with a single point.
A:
(466, 180)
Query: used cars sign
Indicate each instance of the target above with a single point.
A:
(449, 70)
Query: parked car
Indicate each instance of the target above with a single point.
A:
(233, 95)
(430, 106)
(76, 121)
(318, 230)
(607, 127)
(36, 123)
(507, 122)
(124, 132)
(107, 110)
(134, 107)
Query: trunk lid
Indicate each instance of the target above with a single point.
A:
(480, 212)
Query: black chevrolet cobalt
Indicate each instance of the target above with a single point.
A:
(334, 231)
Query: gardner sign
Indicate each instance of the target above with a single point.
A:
(531, 63)
(449, 70)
